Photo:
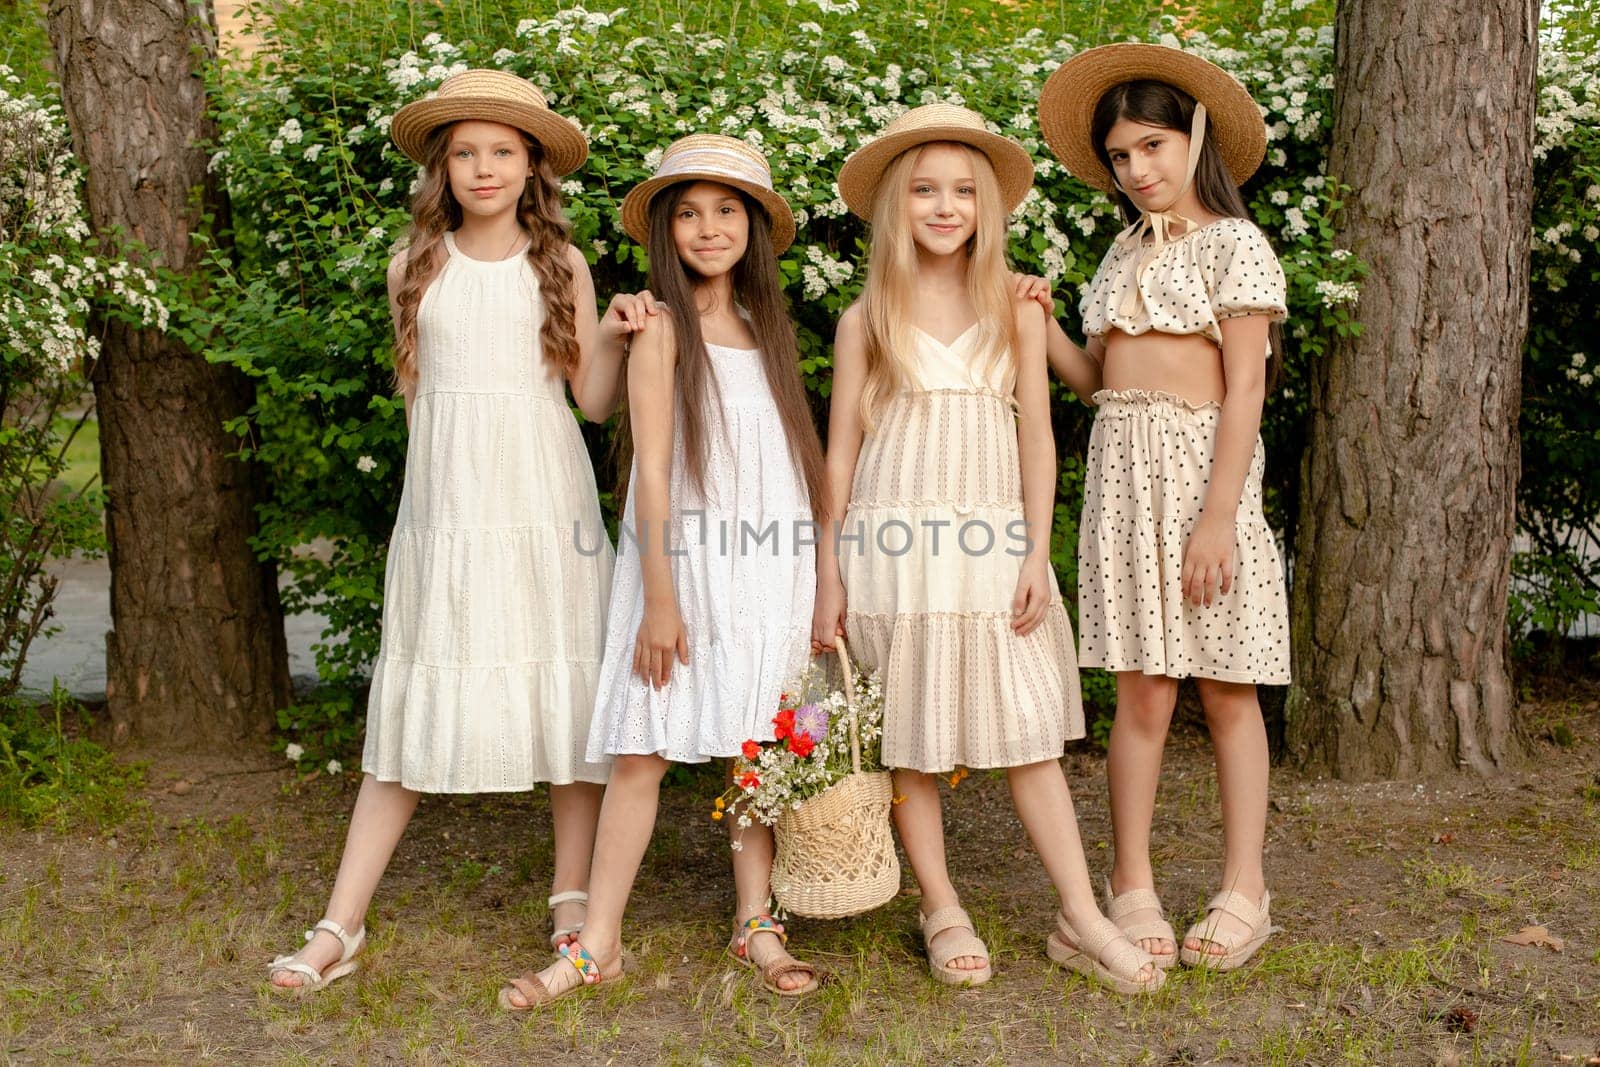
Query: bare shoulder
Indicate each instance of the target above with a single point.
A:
(397, 270)
(658, 339)
(1028, 314)
(851, 323)
(576, 261)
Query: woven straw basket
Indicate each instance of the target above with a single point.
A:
(835, 855)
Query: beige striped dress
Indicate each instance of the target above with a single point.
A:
(930, 552)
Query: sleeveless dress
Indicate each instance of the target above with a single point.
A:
(930, 552)
(744, 572)
(499, 565)
(1149, 465)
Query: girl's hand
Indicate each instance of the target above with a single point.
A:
(661, 635)
(627, 314)
(1208, 561)
(827, 617)
(1032, 287)
(1032, 598)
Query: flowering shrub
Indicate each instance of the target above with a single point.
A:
(50, 273)
(810, 750)
(320, 205)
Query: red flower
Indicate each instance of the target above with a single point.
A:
(749, 780)
(801, 745)
(783, 725)
(751, 750)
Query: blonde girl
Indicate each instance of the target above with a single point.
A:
(1178, 573)
(712, 604)
(935, 557)
(493, 608)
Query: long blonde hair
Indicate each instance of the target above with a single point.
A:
(887, 300)
(434, 210)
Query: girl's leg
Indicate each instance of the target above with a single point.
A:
(920, 820)
(752, 874)
(1239, 736)
(627, 819)
(1133, 769)
(382, 811)
(574, 813)
(1044, 804)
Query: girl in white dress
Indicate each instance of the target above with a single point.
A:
(499, 566)
(711, 608)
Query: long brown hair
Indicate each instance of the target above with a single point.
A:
(757, 289)
(1155, 103)
(434, 210)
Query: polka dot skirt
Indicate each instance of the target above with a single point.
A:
(1148, 467)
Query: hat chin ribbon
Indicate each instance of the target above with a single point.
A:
(1162, 226)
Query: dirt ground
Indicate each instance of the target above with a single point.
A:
(150, 945)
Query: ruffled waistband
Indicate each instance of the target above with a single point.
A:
(1125, 403)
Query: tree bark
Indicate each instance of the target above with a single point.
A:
(1411, 468)
(196, 655)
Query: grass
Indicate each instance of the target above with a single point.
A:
(83, 454)
(152, 949)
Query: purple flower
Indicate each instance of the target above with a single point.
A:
(811, 720)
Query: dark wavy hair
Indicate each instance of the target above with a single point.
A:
(1155, 103)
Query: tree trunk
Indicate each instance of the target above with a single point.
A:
(1411, 468)
(196, 655)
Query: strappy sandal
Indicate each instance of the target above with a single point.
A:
(535, 992)
(1120, 905)
(1096, 954)
(312, 979)
(774, 969)
(1235, 951)
(950, 948)
(571, 896)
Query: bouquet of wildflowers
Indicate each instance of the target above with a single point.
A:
(811, 747)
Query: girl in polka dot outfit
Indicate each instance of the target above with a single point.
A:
(1179, 576)
(941, 470)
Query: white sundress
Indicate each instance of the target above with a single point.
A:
(745, 586)
(499, 566)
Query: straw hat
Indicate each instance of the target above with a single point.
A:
(709, 157)
(859, 177)
(491, 96)
(1066, 106)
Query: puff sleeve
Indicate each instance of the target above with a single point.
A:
(1245, 277)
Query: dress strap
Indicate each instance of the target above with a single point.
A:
(1160, 225)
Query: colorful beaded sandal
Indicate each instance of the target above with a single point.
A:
(772, 970)
(1095, 953)
(535, 992)
(1236, 951)
(951, 948)
(311, 979)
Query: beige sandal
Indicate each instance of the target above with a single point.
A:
(772, 970)
(1120, 905)
(571, 896)
(312, 980)
(950, 948)
(535, 992)
(1235, 952)
(1087, 953)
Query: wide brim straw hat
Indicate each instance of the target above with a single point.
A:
(491, 96)
(861, 173)
(710, 157)
(1070, 95)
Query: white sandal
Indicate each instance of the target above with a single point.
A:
(965, 943)
(314, 980)
(1121, 905)
(1236, 951)
(571, 896)
(1095, 953)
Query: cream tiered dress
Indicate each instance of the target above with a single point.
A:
(744, 572)
(930, 552)
(499, 567)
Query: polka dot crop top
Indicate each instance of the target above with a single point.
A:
(1187, 285)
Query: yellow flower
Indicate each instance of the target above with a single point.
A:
(716, 816)
(898, 798)
(720, 803)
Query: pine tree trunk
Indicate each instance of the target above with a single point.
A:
(196, 654)
(1410, 473)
